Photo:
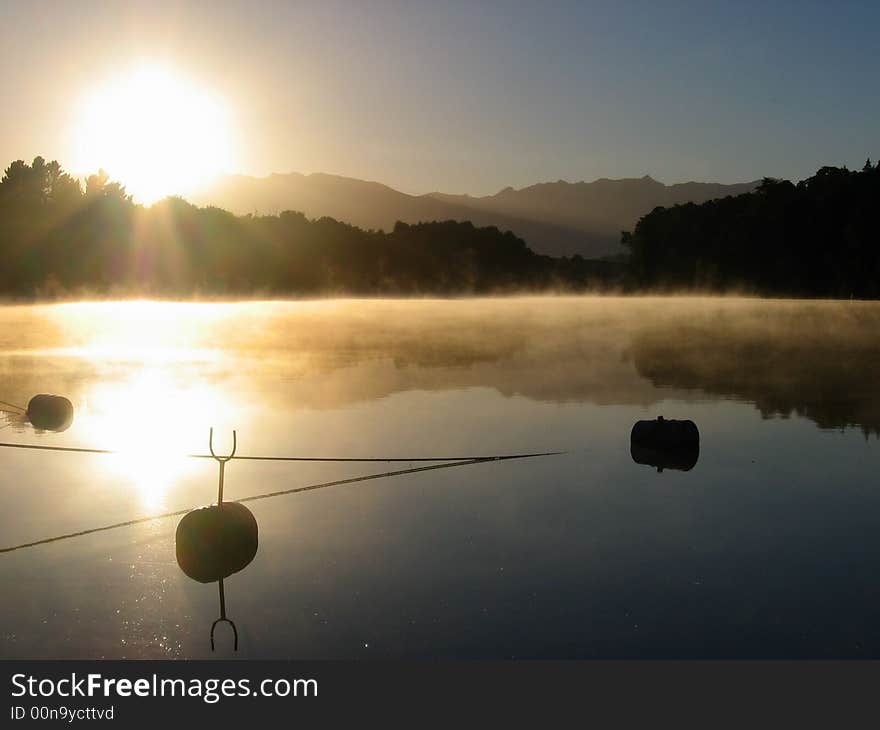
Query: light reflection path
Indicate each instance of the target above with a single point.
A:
(295, 490)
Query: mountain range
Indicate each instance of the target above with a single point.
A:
(556, 218)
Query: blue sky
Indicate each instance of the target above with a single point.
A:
(474, 96)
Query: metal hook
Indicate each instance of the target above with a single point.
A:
(211, 446)
(223, 619)
(234, 633)
(221, 460)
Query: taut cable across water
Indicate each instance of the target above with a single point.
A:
(490, 457)
(452, 462)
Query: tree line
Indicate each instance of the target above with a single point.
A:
(816, 238)
(59, 237)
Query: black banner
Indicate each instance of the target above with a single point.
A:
(228, 694)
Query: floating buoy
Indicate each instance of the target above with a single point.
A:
(50, 412)
(214, 542)
(665, 444)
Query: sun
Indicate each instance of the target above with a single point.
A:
(155, 131)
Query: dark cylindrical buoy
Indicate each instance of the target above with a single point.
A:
(50, 412)
(214, 542)
(665, 444)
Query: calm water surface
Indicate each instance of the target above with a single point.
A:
(768, 547)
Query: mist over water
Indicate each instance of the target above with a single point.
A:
(767, 547)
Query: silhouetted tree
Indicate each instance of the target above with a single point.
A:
(56, 237)
(816, 238)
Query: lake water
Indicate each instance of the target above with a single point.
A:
(768, 547)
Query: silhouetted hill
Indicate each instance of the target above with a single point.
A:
(597, 210)
(559, 219)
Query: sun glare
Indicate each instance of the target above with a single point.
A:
(155, 131)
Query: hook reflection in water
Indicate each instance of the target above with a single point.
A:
(214, 542)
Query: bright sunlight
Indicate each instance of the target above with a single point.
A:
(155, 131)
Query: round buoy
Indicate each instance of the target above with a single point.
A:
(665, 444)
(215, 542)
(50, 412)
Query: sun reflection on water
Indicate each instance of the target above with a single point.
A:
(153, 423)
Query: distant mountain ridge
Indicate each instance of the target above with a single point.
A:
(557, 218)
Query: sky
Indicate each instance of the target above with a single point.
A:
(469, 96)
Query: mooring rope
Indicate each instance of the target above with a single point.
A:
(12, 405)
(294, 490)
(489, 457)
